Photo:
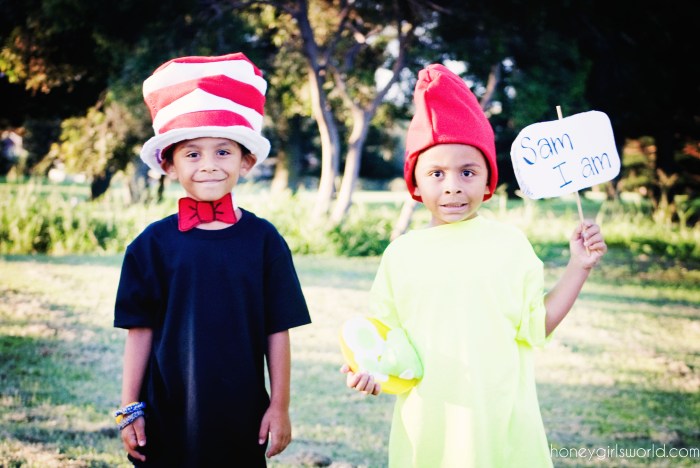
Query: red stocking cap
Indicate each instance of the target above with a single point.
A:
(447, 112)
(193, 97)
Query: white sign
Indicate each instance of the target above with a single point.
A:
(563, 156)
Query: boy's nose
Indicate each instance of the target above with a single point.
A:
(207, 163)
(452, 185)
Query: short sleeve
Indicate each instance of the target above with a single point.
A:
(137, 301)
(381, 298)
(533, 314)
(285, 305)
(399, 354)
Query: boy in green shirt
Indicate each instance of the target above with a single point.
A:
(469, 293)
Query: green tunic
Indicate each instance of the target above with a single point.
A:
(470, 297)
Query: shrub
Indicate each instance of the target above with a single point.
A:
(39, 218)
(363, 233)
(290, 214)
(36, 218)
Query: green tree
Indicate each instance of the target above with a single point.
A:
(68, 53)
(98, 144)
(288, 122)
(642, 79)
(344, 45)
(521, 64)
(57, 57)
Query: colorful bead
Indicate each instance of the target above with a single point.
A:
(130, 419)
(130, 408)
(129, 413)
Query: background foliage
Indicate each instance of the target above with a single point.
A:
(521, 59)
(44, 218)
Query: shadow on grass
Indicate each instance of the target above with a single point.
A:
(72, 437)
(658, 306)
(616, 418)
(96, 260)
(55, 401)
(337, 272)
(34, 371)
(349, 428)
(331, 421)
(32, 446)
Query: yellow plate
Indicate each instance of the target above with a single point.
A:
(366, 336)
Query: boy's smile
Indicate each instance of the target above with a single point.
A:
(208, 168)
(452, 180)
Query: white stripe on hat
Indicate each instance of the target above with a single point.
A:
(198, 101)
(178, 72)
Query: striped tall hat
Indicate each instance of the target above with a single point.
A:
(193, 97)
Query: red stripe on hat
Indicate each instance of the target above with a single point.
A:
(220, 58)
(217, 118)
(223, 86)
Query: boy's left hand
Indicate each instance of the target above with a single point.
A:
(587, 245)
(277, 424)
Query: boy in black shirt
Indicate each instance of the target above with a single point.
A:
(208, 294)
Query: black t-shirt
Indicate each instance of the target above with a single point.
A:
(212, 297)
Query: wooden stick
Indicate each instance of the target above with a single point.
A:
(559, 112)
(578, 197)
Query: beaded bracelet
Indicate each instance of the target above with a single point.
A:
(129, 413)
(130, 419)
(130, 408)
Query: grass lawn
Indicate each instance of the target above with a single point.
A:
(622, 372)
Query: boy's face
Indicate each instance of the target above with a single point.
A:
(208, 168)
(452, 180)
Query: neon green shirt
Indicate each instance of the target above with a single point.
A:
(470, 297)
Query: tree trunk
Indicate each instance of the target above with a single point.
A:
(280, 180)
(321, 110)
(361, 121)
(330, 148)
(288, 164)
(138, 183)
(404, 220)
(491, 84)
(161, 188)
(330, 157)
(100, 184)
(666, 154)
(353, 161)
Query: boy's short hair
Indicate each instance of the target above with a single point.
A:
(447, 112)
(193, 97)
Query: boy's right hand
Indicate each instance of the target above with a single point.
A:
(133, 437)
(362, 382)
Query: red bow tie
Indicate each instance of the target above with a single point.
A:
(192, 212)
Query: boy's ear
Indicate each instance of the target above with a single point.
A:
(416, 190)
(247, 162)
(170, 170)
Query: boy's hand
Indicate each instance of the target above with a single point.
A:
(133, 437)
(276, 423)
(362, 382)
(587, 245)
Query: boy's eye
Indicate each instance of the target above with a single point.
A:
(436, 174)
(467, 173)
(191, 154)
(223, 152)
